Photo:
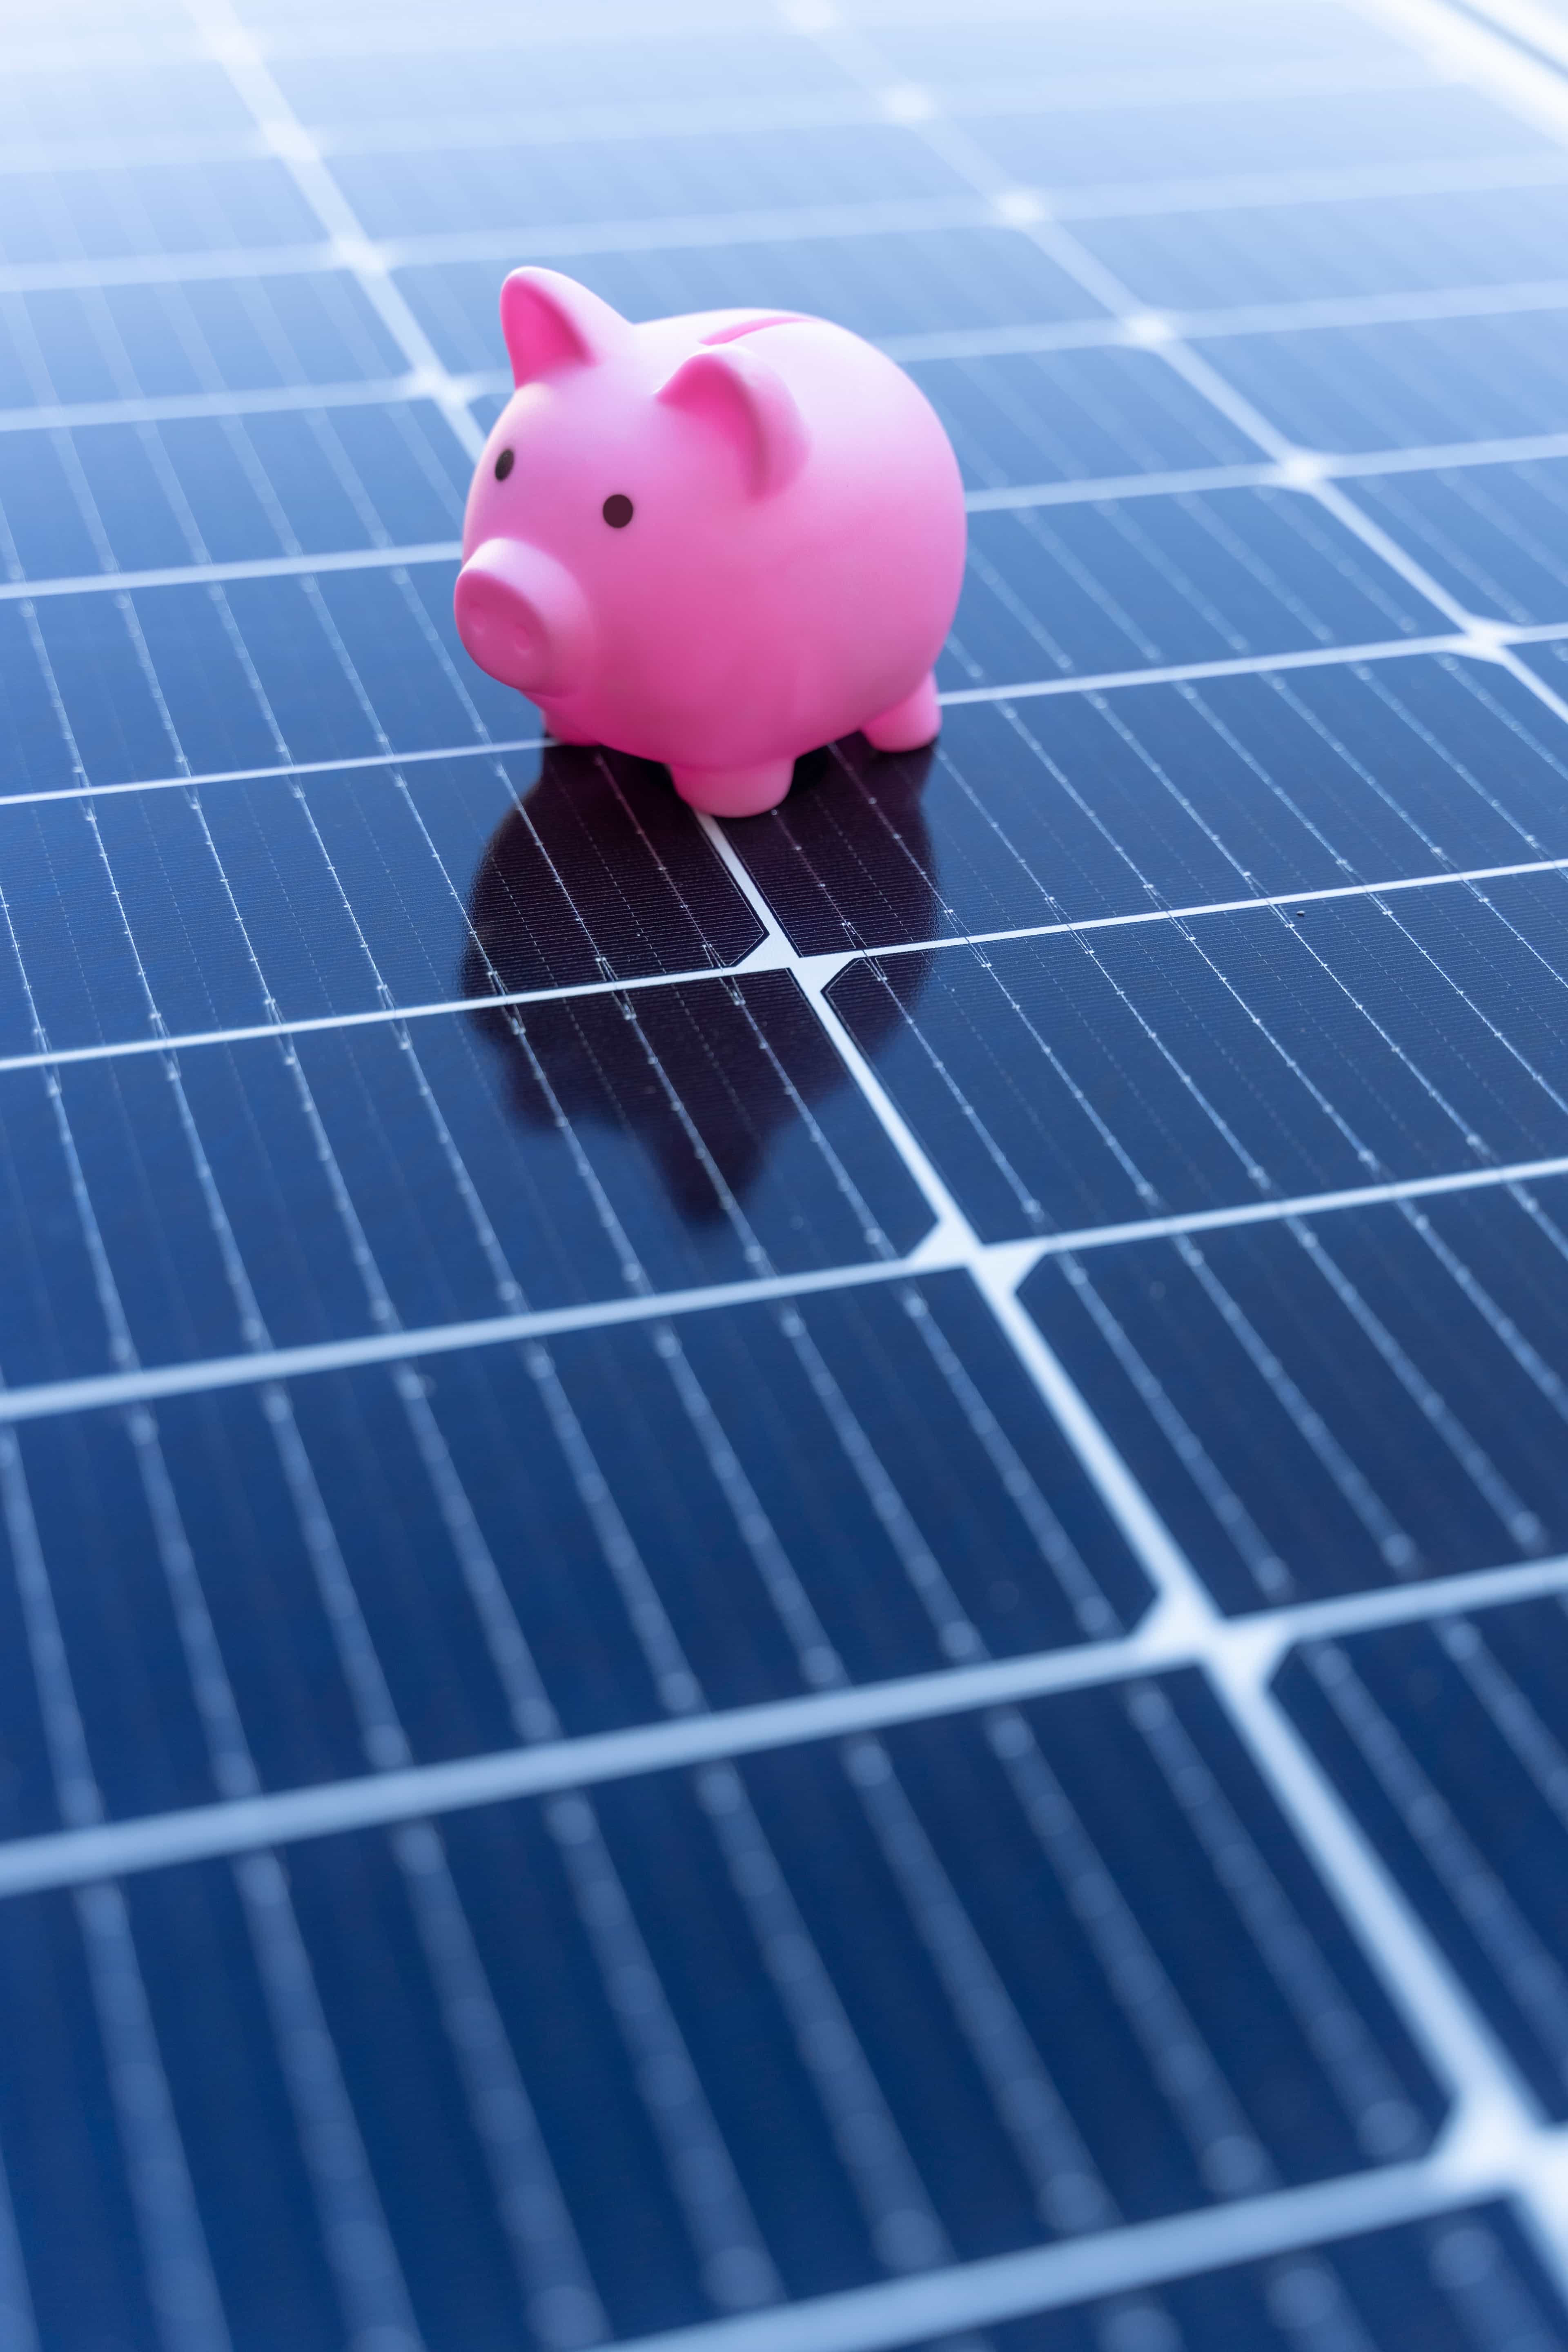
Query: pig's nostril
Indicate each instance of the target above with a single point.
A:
(618, 511)
(504, 464)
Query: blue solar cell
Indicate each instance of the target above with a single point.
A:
(1203, 254)
(1061, 415)
(1445, 1739)
(565, 1151)
(1417, 383)
(1318, 1406)
(1169, 1066)
(1124, 585)
(1487, 533)
(1074, 807)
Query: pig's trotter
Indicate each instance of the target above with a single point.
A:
(734, 791)
(915, 720)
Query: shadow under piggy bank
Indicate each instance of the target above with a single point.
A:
(601, 873)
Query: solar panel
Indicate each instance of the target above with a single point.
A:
(794, 1586)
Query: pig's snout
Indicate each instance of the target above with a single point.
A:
(522, 618)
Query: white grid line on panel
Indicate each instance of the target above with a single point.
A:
(941, 1251)
(769, 955)
(1493, 2108)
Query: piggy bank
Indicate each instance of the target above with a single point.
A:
(717, 541)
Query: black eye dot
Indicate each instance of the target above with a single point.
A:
(618, 511)
(504, 464)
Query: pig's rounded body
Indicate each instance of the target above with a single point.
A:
(719, 540)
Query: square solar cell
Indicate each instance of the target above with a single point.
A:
(1316, 1406)
(1127, 583)
(1169, 1066)
(177, 911)
(1041, 416)
(1077, 807)
(1200, 253)
(1489, 534)
(1420, 384)
(229, 489)
(320, 1185)
(1446, 1739)
(208, 678)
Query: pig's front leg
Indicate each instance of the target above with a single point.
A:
(734, 791)
(915, 720)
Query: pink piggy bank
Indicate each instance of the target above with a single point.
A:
(717, 541)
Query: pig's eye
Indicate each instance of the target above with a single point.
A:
(504, 464)
(618, 511)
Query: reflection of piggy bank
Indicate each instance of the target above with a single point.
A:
(717, 541)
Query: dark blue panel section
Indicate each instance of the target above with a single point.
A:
(1417, 385)
(1168, 1065)
(209, 679)
(1491, 534)
(1445, 1738)
(1123, 584)
(297, 897)
(1257, 134)
(1047, 416)
(1313, 1408)
(1462, 2280)
(491, 184)
(879, 283)
(581, 1148)
(225, 489)
(1071, 806)
(859, 1486)
(1204, 256)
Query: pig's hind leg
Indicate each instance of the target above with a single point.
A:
(734, 791)
(915, 720)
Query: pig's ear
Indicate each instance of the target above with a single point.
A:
(739, 396)
(551, 321)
